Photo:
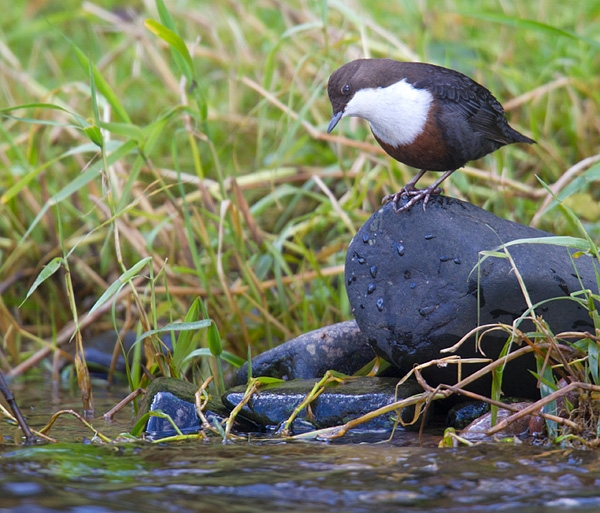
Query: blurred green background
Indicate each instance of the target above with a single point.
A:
(227, 187)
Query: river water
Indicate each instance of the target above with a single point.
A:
(81, 475)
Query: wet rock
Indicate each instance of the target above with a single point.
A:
(476, 430)
(461, 415)
(413, 286)
(176, 398)
(339, 347)
(338, 404)
(182, 412)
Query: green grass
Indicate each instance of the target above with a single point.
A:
(229, 185)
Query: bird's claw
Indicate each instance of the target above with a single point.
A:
(414, 194)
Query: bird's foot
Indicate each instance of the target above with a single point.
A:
(412, 194)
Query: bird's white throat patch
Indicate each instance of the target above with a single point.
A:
(397, 113)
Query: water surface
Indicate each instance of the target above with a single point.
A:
(77, 475)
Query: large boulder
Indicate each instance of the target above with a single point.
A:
(415, 288)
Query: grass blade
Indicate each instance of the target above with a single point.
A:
(181, 54)
(101, 84)
(119, 283)
(48, 270)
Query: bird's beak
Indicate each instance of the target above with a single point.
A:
(335, 120)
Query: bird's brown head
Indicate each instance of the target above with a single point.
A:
(341, 88)
(355, 76)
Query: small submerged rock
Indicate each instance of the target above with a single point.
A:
(176, 398)
(272, 405)
(336, 405)
(525, 426)
(461, 415)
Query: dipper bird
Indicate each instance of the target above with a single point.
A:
(425, 116)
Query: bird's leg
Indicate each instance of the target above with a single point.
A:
(409, 190)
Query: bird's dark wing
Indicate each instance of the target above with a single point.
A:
(491, 125)
(467, 98)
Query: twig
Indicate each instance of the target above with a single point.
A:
(233, 414)
(119, 406)
(97, 433)
(537, 406)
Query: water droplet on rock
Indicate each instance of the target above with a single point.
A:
(400, 249)
(425, 311)
(361, 260)
(379, 304)
(445, 258)
(429, 236)
(373, 271)
(457, 260)
(371, 287)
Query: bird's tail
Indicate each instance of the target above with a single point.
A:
(517, 137)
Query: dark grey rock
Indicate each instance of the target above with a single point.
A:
(183, 413)
(461, 415)
(413, 287)
(176, 398)
(273, 404)
(339, 347)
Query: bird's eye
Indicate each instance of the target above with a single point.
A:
(346, 89)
